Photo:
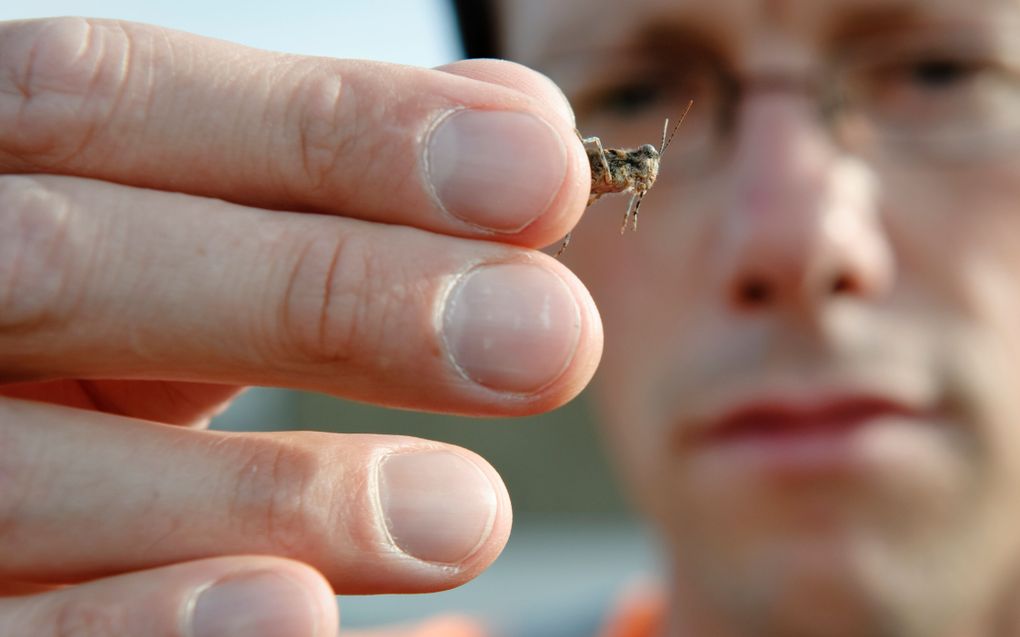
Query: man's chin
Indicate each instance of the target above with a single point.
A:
(831, 580)
(816, 587)
(831, 552)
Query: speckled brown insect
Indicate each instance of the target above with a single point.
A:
(618, 171)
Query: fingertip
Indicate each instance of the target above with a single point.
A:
(524, 330)
(569, 203)
(566, 212)
(276, 597)
(502, 521)
(245, 595)
(317, 592)
(592, 335)
(488, 483)
(498, 170)
(518, 77)
(438, 505)
(588, 352)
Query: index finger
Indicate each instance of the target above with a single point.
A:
(151, 107)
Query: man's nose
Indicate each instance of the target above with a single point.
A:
(802, 226)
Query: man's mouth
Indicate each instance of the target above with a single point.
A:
(798, 435)
(777, 419)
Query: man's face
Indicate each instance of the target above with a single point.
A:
(811, 379)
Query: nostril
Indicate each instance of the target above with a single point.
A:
(844, 284)
(753, 291)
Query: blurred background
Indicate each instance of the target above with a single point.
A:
(574, 544)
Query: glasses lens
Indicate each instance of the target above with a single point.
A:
(952, 97)
(627, 110)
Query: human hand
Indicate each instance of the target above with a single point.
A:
(156, 254)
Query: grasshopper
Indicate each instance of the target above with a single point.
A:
(624, 170)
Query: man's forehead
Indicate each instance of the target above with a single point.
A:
(536, 30)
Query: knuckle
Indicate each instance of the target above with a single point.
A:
(36, 250)
(318, 129)
(331, 301)
(22, 483)
(84, 618)
(275, 494)
(61, 80)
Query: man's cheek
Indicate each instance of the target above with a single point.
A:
(631, 435)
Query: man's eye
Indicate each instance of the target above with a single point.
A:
(940, 73)
(925, 82)
(628, 99)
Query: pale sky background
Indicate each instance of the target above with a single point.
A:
(418, 32)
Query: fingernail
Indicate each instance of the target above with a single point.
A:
(499, 170)
(511, 327)
(253, 605)
(438, 506)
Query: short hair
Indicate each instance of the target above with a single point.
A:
(476, 20)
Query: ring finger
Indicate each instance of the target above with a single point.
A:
(373, 513)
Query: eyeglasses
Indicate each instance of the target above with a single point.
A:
(946, 97)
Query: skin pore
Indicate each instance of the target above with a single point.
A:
(784, 261)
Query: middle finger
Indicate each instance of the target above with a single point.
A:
(107, 281)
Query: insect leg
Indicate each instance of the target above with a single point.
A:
(601, 152)
(563, 246)
(602, 156)
(635, 198)
(637, 204)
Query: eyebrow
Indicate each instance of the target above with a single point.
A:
(700, 33)
(653, 36)
(647, 46)
(855, 22)
(659, 35)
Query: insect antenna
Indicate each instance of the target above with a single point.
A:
(665, 141)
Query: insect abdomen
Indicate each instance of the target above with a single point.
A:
(618, 179)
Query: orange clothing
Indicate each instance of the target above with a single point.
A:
(641, 612)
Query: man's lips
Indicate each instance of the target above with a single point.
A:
(778, 418)
(806, 435)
